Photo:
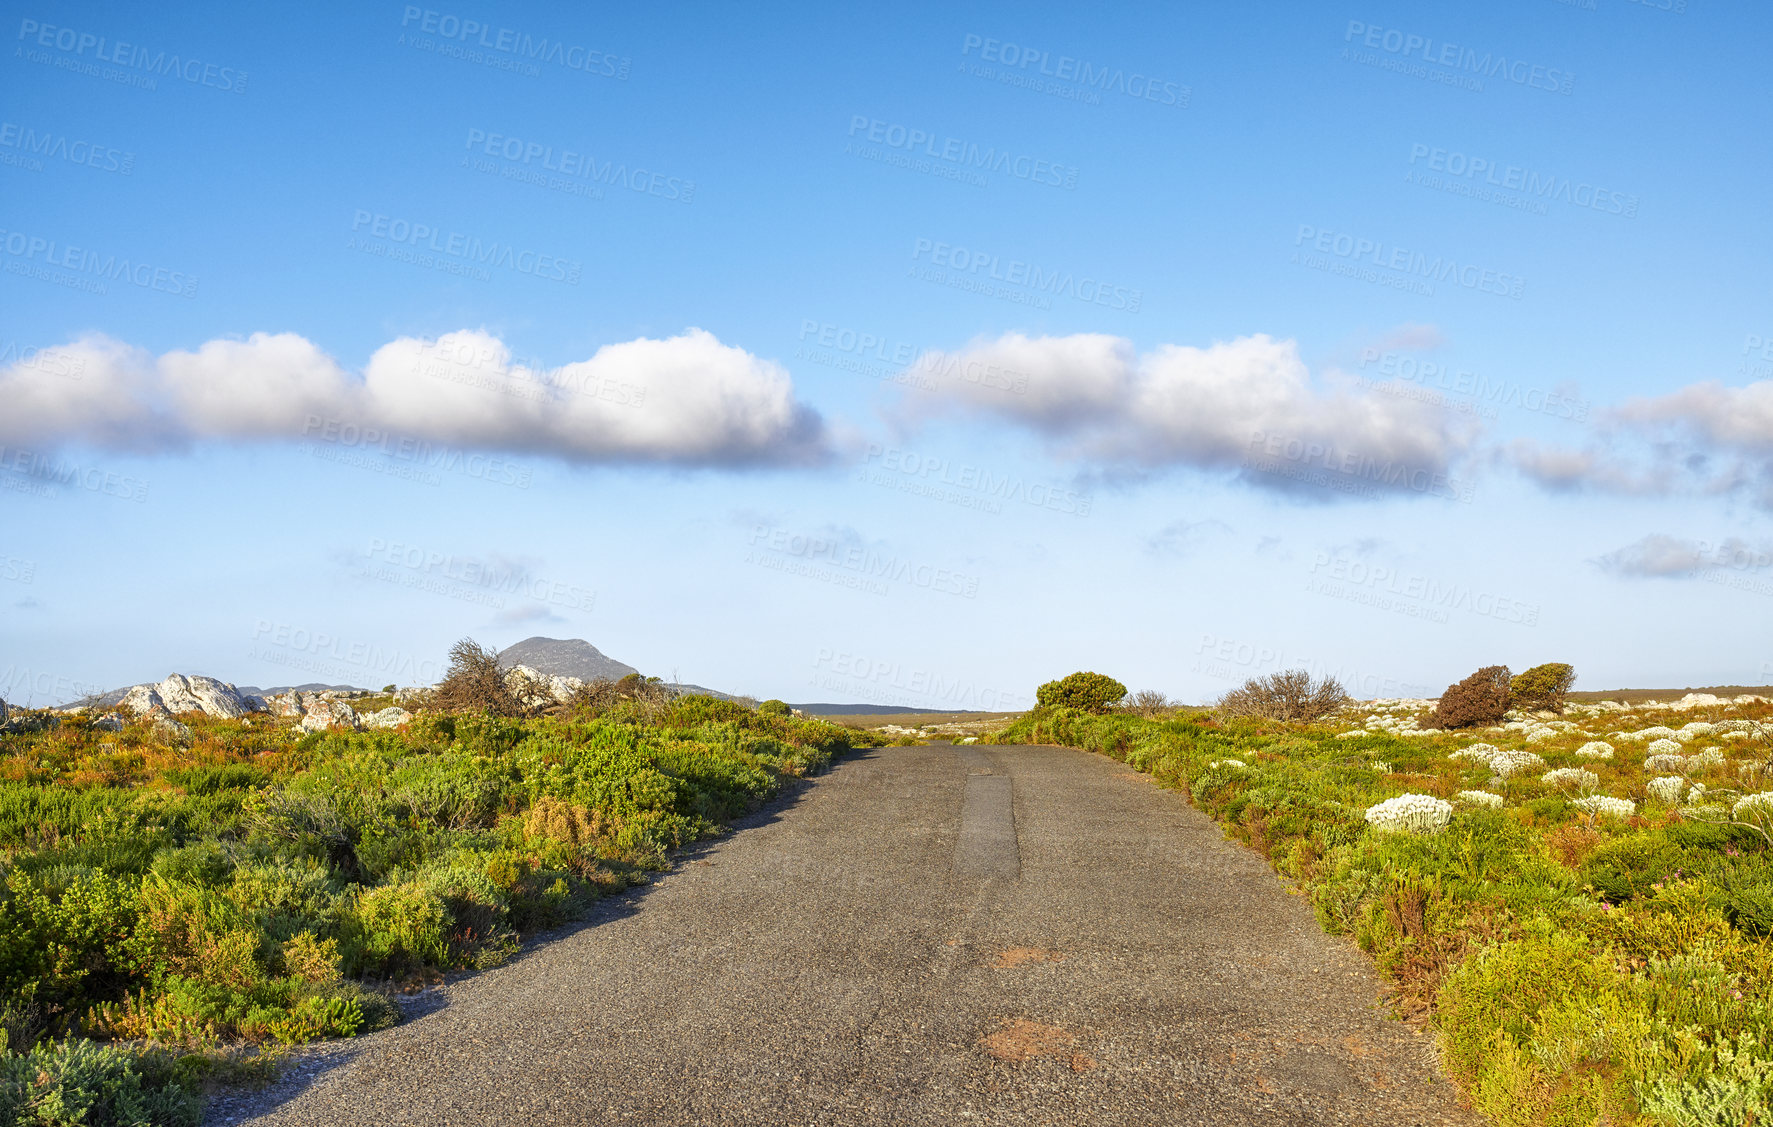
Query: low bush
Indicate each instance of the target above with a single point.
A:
(1086, 692)
(1542, 687)
(1481, 698)
(1290, 695)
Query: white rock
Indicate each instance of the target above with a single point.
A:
(329, 712)
(387, 718)
(109, 722)
(167, 727)
(535, 689)
(179, 693)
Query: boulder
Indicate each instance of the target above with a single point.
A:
(387, 718)
(109, 722)
(535, 689)
(326, 712)
(166, 726)
(1697, 700)
(179, 693)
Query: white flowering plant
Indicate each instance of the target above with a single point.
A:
(1600, 805)
(1595, 749)
(1411, 813)
(1578, 779)
(1667, 789)
(1480, 798)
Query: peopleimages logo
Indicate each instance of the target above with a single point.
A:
(1064, 68)
(1427, 49)
(102, 50)
(1015, 272)
(88, 265)
(1380, 254)
(469, 250)
(570, 163)
(1514, 178)
(515, 44)
(961, 153)
(60, 147)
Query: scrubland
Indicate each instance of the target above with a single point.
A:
(1579, 907)
(168, 897)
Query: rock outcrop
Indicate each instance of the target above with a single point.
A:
(179, 693)
(535, 689)
(316, 711)
(328, 712)
(387, 718)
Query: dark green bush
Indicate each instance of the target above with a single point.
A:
(1086, 692)
(775, 708)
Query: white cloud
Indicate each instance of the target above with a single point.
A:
(1737, 418)
(686, 400)
(1101, 402)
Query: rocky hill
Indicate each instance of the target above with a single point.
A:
(564, 657)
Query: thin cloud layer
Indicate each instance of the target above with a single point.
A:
(1705, 438)
(1660, 556)
(1247, 404)
(687, 400)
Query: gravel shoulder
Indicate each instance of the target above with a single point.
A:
(923, 934)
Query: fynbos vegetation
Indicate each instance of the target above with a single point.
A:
(243, 882)
(1581, 908)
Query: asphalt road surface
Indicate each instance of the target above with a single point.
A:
(923, 935)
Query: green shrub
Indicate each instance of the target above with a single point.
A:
(1086, 692)
(404, 927)
(775, 708)
(1542, 687)
(80, 1083)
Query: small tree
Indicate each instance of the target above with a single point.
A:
(1542, 687)
(775, 708)
(1086, 692)
(475, 683)
(1291, 695)
(1481, 698)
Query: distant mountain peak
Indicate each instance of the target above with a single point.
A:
(565, 657)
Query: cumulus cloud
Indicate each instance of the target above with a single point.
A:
(685, 400)
(1247, 405)
(1735, 418)
(1660, 556)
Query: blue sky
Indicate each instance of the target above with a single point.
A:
(912, 358)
